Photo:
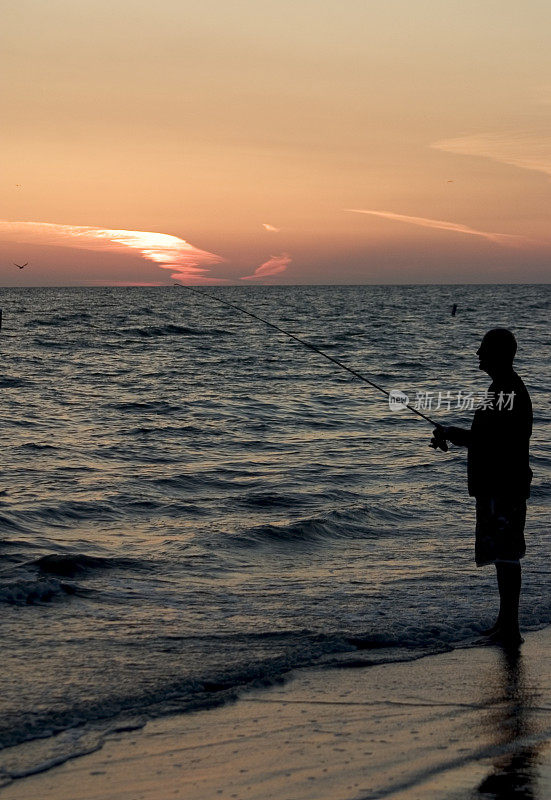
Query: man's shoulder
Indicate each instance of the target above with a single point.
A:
(521, 392)
(513, 383)
(518, 380)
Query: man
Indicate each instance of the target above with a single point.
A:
(499, 475)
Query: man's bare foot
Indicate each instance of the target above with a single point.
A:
(506, 638)
(491, 631)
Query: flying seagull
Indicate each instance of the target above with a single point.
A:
(21, 266)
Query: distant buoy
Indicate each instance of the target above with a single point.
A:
(454, 309)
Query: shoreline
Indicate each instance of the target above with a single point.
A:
(434, 727)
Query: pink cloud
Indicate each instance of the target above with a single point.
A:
(167, 252)
(423, 222)
(518, 149)
(274, 265)
(270, 228)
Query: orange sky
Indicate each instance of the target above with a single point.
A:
(294, 142)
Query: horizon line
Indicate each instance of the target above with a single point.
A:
(270, 285)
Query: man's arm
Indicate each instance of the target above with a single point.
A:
(458, 436)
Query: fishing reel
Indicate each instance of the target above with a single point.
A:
(438, 441)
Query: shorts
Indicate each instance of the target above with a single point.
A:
(499, 530)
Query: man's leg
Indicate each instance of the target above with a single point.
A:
(500, 538)
(509, 583)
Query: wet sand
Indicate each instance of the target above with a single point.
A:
(470, 723)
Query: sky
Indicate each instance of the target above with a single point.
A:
(292, 142)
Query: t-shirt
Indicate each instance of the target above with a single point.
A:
(498, 460)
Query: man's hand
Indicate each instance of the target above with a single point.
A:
(439, 438)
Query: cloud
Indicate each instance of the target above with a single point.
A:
(274, 265)
(423, 222)
(271, 228)
(523, 150)
(164, 250)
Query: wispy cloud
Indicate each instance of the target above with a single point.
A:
(167, 252)
(273, 266)
(270, 228)
(520, 149)
(423, 222)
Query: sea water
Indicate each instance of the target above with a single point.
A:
(191, 502)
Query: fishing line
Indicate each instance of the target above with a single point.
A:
(309, 346)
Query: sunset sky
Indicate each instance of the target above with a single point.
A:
(288, 142)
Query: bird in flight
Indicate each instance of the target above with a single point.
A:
(21, 266)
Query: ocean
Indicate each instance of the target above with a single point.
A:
(192, 503)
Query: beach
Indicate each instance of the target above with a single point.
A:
(467, 723)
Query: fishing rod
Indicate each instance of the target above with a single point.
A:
(442, 445)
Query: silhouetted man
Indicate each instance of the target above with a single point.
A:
(499, 474)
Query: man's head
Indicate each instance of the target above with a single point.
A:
(497, 351)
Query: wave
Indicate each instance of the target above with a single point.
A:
(60, 344)
(188, 481)
(157, 406)
(113, 509)
(60, 319)
(349, 334)
(36, 446)
(173, 330)
(168, 430)
(26, 423)
(272, 499)
(20, 587)
(6, 382)
(72, 511)
(359, 521)
(10, 522)
(409, 365)
(31, 592)
(350, 523)
(69, 565)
